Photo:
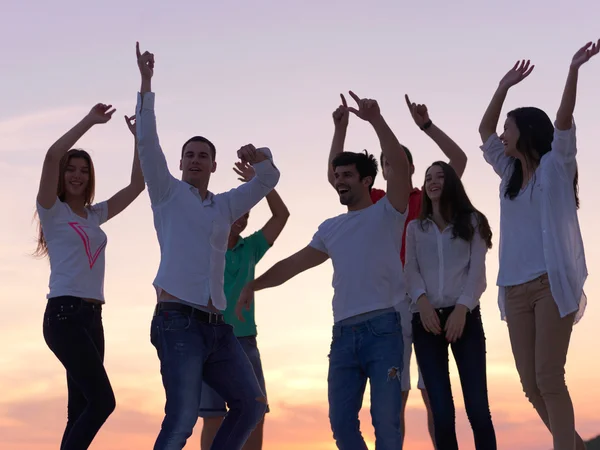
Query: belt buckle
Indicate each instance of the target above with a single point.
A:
(210, 318)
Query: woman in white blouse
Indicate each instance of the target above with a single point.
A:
(445, 277)
(542, 262)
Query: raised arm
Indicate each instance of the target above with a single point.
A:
(564, 116)
(279, 211)
(457, 158)
(489, 121)
(340, 123)
(284, 270)
(46, 196)
(152, 159)
(122, 199)
(243, 198)
(398, 180)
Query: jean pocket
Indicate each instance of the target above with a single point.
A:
(175, 321)
(62, 312)
(386, 325)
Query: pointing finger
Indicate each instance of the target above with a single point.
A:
(137, 49)
(344, 101)
(355, 97)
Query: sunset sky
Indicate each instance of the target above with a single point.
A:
(269, 72)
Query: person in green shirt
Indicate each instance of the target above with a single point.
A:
(243, 253)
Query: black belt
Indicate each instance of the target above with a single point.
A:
(198, 314)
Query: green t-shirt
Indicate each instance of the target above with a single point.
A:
(240, 262)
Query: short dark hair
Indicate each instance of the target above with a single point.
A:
(408, 156)
(366, 164)
(213, 150)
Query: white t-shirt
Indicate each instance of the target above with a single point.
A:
(521, 240)
(75, 249)
(364, 247)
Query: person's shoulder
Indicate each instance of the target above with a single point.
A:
(377, 194)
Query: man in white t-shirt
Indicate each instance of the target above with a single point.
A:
(368, 283)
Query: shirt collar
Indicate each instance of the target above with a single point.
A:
(210, 197)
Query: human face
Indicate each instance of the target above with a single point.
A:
(510, 137)
(240, 225)
(349, 186)
(434, 182)
(197, 163)
(76, 177)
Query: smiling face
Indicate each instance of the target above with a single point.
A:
(197, 163)
(76, 177)
(350, 188)
(240, 225)
(434, 182)
(510, 137)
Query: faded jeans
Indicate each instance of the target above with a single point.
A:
(367, 347)
(190, 352)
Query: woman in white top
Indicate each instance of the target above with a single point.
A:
(542, 262)
(445, 277)
(71, 237)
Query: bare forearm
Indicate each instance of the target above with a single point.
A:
(390, 146)
(337, 147)
(564, 116)
(137, 176)
(489, 122)
(146, 85)
(69, 139)
(276, 205)
(277, 275)
(455, 154)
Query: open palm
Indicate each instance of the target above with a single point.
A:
(518, 73)
(584, 54)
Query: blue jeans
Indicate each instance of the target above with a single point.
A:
(211, 403)
(190, 352)
(369, 349)
(469, 354)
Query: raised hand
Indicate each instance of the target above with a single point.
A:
(418, 112)
(249, 154)
(584, 54)
(145, 62)
(368, 109)
(341, 114)
(244, 170)
(130, 121)
(100, 113)
(518, 73)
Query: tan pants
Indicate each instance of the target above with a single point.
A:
(540, 340)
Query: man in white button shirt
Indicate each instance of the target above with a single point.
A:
(368, 283)
(192, 224)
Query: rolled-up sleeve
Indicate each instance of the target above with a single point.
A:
(564, 150)
(152, 159)
(493, 153)
(243, 198)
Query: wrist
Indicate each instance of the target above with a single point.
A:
(426, 126)
(377, 121)
(462, 308)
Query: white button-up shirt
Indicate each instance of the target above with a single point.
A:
(448, 270)
(561, 236)
(192, 233)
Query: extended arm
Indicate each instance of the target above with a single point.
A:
(340, 122)
(398, 180)
(46, 196)
(281, 272)
(564, 116)
(152, 159)
(456, 156)
(122, 199)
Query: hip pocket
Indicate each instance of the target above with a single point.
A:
(387, 324)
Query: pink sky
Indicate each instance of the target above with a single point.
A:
(270, 73)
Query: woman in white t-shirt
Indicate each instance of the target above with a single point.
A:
(445, 277)
(542, 261)
(71, 237)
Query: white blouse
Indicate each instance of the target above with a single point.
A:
(448, 270)
(561, 236)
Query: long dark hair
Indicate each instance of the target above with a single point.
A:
(536, 134)
(42, 247)
(456, 208)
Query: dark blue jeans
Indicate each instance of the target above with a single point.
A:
(73, 331)
(469, 354)
(190, 352)
(366, 350)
